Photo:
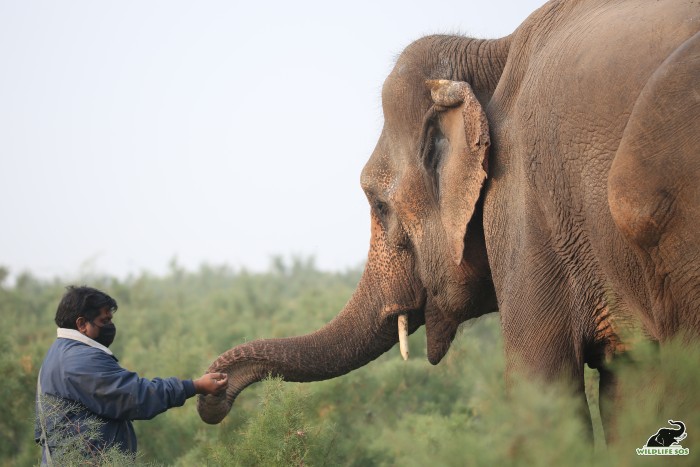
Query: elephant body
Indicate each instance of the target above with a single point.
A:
(592, 198)
(551, 175)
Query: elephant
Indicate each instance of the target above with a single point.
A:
(668, 436)
(550, 175)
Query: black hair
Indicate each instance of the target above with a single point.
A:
(82, 301)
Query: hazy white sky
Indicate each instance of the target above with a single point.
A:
(220, 132)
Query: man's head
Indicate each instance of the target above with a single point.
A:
(88, 311)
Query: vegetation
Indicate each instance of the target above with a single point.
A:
(75, 441)
(389, 412)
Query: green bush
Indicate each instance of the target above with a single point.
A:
(76, 443)
(389, 412)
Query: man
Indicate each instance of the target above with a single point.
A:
(80, 369)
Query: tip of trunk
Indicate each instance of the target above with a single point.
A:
(213, 408)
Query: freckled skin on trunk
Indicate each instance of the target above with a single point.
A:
(354, 338)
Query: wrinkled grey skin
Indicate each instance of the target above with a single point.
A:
(551, 174)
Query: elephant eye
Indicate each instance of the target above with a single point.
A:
(381, 208)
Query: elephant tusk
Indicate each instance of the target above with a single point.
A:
(403, 336)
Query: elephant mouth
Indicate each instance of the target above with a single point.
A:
(440, 330)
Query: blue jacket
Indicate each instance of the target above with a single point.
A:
(82, 371)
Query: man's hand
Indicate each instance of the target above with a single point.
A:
(211, 383)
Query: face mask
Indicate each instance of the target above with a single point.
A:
(107, 333)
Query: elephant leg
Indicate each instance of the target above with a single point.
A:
(548, 367)
(538, 339)
(653, 190)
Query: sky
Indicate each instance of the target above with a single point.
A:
(135, 133)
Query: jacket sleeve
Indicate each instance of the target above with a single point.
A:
(110, 391)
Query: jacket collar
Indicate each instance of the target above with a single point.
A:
(76, 336)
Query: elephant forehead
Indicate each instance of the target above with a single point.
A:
(405, 100)
(379, 174)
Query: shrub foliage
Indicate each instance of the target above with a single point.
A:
(387, 413)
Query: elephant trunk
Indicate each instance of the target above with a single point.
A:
(360, 333)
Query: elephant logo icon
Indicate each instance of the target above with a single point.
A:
(666, 442)
(668, 436)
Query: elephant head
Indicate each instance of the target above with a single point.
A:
(427, 261)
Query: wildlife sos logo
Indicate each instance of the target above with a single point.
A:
(666, 442)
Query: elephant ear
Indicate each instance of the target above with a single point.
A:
(460, 166)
